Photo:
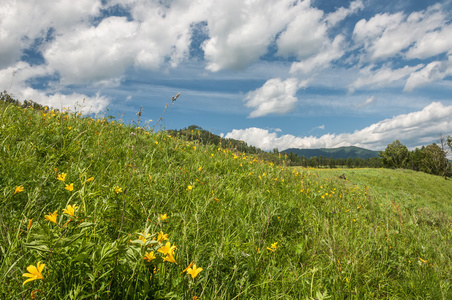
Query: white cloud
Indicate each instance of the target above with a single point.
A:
(421, 127)
(387, 35)
(330, 52)
(305, 34)
(275, 96)
(241, 31)
(367, 101)
(432, 43)
(342, 13)
(23, 21)
(93, 53)
(434, 71)
(381, 77)
(74, 101)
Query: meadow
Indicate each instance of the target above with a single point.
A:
(94, 208)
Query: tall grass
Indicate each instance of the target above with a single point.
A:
(257, 230)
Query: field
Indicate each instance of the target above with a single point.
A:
(92, 208)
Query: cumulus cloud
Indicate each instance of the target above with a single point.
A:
(387, 35)
(381, 77)
(331, 51)
(21, 22)
(337, 16)
(421, 127)
(241, 31)
(275, 96)
(434, 71)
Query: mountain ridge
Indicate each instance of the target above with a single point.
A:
(340, 152)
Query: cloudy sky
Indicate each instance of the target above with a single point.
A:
(274, 73)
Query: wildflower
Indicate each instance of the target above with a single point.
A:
(69, 187)
(162, 237)
(34, 272)
(273, 247)
(169, 257)
(167, 249)
(194, 271)
(189, 266)
(164, 217)
(52, 217)
(61, 176)
(149, 256)
(89, 179)
(70, 210)
(118, 190)
(18, 189)
(189, 187)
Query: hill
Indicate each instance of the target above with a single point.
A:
(341, 152)
(98, 209)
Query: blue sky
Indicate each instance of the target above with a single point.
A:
(276, 74)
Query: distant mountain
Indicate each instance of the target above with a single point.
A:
(341, 152)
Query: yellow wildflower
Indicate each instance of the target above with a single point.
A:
(167, 249)
(89, 179)
(169, 257)
(70, 210)
(273, 247)
(194, 271)
(69, 187)
(61, 177)
(162, 237)
(163, 217)
(18, 189)
(149, 256)
(189, 187)
(52, 217)
(118, 190)
(34, 272)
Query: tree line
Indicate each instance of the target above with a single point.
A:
(431, 159)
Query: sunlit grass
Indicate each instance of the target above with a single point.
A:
(117, 211)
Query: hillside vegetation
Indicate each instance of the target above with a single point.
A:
(97, 209)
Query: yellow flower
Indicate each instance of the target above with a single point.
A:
(167, 249)
(52, 217)
(69, 187)
(189, 187)
(149, 256)
(118, 190)
(89, 179)
(169, 257)
(273, 247)
(18, 189)
(194, 271)
(162, 237)
(61, 176)
(163, 217)
(34, 272)
(70, 210)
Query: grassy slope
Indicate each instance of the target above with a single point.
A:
(225, 209)
(410, 188)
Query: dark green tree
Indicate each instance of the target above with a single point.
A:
(396, 155)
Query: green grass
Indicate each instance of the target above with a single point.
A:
(336, 239)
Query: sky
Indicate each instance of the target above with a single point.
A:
(273, 73)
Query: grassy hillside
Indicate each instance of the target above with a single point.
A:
(407, 187)
(92, 209)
